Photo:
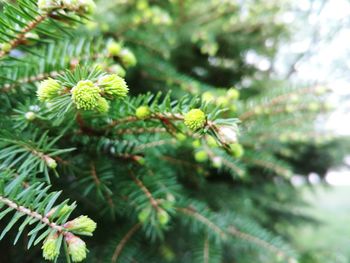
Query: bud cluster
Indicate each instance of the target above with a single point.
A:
(127, 58)
(80, 6)
(87, 95)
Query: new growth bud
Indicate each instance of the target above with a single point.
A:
(114, 86)
(86, 95)
(76, 247)
(82, 225)
(50, 251)
(195, 119)
(143, 112)
(48, 90)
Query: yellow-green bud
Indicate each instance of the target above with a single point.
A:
(163, 217)
(196, 143)
(117, 69)
(30, 116)
(201, 156)
(48, 89)
(86, 95)
(233, 94)
(114, 48)
(217, 162)
(208, 96)
(128, 58)
(144, 214)
(181, 137)
(102, 105)
(82, 225)
(51, 163)
(222, 101)
(65, 209)
(237, 150)
(76, 247)
(211, 141)
(143, 112)
(320, 90)
(195, 119)
(6, 47)
(50, 251)
(313, 106)
(114, 86)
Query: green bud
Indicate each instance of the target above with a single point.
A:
(217, 162)
(48, 89)
(114, 86)
(181, 137)
(128, 58)
(208, 96)
(237, 150)
(163, 217)
(114, 48)
(233, 94)
(102, 105)
(144, 214)
(117, 69)
(30, 116)
(51, 163)
(86, 95)
(76, 247)
(222, 101)
(201, 156)
(313, 106)
(143, 112)
(195, 119)
(196, 144)
(50, 251)
(211, 141)
(82, 225)
(6, 47)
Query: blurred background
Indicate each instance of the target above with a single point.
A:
(319, 53)
(291, 44)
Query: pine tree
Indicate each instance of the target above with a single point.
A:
(141, 134)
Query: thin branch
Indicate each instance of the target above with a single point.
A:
(21, 37)
(123, 242)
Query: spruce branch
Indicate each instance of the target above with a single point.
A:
(119, 248)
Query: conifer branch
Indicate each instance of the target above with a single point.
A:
(123, 242)
(26, 211)
(21, 37)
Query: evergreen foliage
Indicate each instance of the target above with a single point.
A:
(187, 159)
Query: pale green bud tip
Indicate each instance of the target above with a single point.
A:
(114, 86)
(201, 156)
(233, 94)
(30, 116)
(76, 248)
(237, 150)
(50, 251)
(114, 48)
(128, 58)
(163, 217)
(82, 225)
(195, 119)
(48, 89)
(222, 101)
(102, 105)
(117, 69)
(86, 95)
(51, 163)
(144, 214)
(208, 96)
(143, 112)
(6, 47)
(181, 137)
